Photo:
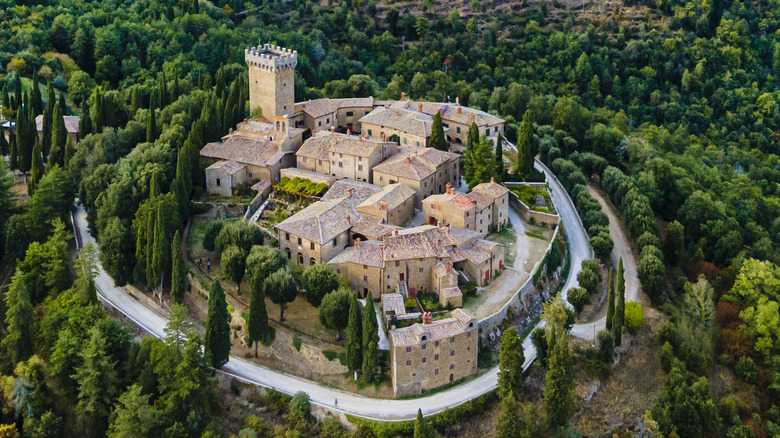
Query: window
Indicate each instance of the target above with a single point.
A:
(487, 131)
(333, 163)
(424, 345)
(408, 349)
(436, 344)
(319, 123)
(289, 255)
(381, 178)
(327, 120)
(452, 353)
(435, 357)
(335, 241)
(495, 129)
(423, 359)
(338, 271)
(287, 236)
(365, 266)
(418, 143)
(304, 159)
(401, 276)
(452, 339)
(311, 246)
(312, 262)
(369, 132)
(349, 113)
(365, 278)
(458, 129)
(250, 174)
(421, 269)
(396, 263)
(341, 155)
(360, 167)
(218, 182)
(467, 214)
(425, 184)
(299, 241)
(452, 366)
(320, 162)
(468, 335)
(406, 140)
(341, 164)
(436, 371)
(408, 362)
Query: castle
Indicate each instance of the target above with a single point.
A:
(391, 221)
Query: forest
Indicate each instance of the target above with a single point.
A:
(670, 107)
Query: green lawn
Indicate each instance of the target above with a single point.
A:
(508, 238)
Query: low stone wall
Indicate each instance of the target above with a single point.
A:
(536, 185)
(526, 213)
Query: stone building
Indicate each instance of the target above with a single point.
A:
(342, 114)
(71, 125)
(450, 208)
(223, 176)
(403, 126)
(434, 353)
(361, 264)
(262, 147)
(343, 155)
(500, 196)
(394, 205)
(425, 170)
(457, 119)
(271, 79)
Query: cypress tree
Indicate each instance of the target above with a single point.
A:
(18, 320)
(151, 281)
(469, 158)
(36, 99)
(184, 171)
(162, 93)
(197, 11)
(559, 383)
(352, 343)
(620, 305)
(500, 168)
(36, 169)
(422, 429)
(508, 423)
(98, 116)
(70, 151)
(23, 139)
(511, 358)
(370, 340)
(175, 88)
(4, 146)
(525, 145)
(59, 134)
(85, 121)
(13, 153)
(437, 139)
(610, 299)
(48, 118)
(63, 104)
(4, 101)
(178, 271)
(159, 248)
(217, 327)
(18, 89)
(151, 126)
(154, 186)
(135, 102)
(257, 325)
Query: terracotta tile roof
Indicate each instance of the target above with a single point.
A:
(457, 236)
(360, 190)
(458, 200)
(260, 126)
(321, 221)
(422, 163)
(367, 253)
(229, 166)
(451, 292)
(71, 123)
(317, 107)
(486, 245)
(491, 189)
(437, 330)
(441, 269)
(412, 122)
(372, 227)
(482, 200)
(261, 185)
(392, 194)
(315, 147)
(415, 244)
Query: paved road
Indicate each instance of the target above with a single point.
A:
(378, 409)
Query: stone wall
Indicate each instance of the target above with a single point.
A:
(526, 213)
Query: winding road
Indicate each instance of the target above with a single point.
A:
(366, 407)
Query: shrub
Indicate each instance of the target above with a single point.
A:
(634, 316)
(210, 235)
(578, 297)
(539, 339)
(297, 343)
(666, 356)
(606, 346)
(746, 369)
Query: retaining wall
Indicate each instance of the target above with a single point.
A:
(526, 213)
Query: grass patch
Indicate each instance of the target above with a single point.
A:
(535, 234)
(333, 354)
(507, 237)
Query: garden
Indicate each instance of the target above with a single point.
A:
(536, 199)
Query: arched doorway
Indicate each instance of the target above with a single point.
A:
(394, 138)
(300, 259)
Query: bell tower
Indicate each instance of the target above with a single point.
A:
(271, 79)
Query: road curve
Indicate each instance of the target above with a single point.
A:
(320, 394)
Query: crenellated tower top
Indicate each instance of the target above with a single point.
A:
(271, 58)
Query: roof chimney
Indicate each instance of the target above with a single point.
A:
(419, 106)
(349, 222)
(403, 95)
(447, 229)
(408, 160)
(244, 120)
(357, 243)
(427, 318)
(332, 129)
(448, 185)
(492, 179)
(395, 232)
(350, 191)
(387, 105)
(448, 268)
(457, 100)
(460, 111)
(397, 113)
(349, 131)
(230, 131)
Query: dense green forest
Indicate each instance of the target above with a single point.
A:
(671, 107)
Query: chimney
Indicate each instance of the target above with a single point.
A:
(403, 95)
(384, 136)
(447, 186)
(492, 179)
(397, 113)
(447, 229)
(350, 191)
(408, 160)
(448, 268)
(457, 100)
(419, 107)
(357, 243)
(427, 318)
(244, 120)
(395, 232)
(349, 131)
(460, 111)
(332, 129)
(387, 105)
(230, 131)
(349, 222)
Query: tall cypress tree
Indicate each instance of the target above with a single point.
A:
(4, 146)
(18, 89)
(217, 327)
(18, 320)
(500, 168)
(610, 299)
(13, 153)
(469, 158)
(353, 343)
(162, 92)
(257, 326)
(151, 126)
(36, 169)
(559, 383)
(23, 138)
(508, 423)
(63, 104)
(620, 305)
(135, 102)
(370, 340)
(178, 271)
(511, 359)
(36, 100)
(98, 116)
(160, 247)
(48, 118)
(85, 121)
(423, 429)
(151, 279)
(525, 145)
(70, 151)
(437, 139)
(59, 134)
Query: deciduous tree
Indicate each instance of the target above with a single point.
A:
(319, 280)
(233, 265)
(281, 289)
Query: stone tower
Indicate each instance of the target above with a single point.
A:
(271, 79)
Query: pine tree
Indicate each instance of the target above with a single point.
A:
(257, 325)
(18, 343)
(97, 382)
(370, 340)
(508, 423)
(217, 327)
(178, 271)
(422, 429)
(353, 343)
(525, 145)
(610, 299)
(159, 249)
(620, 305)
(558, 403)
(511, 359)
(85, 121)
(48, 118)
(500, 168)
(437, 139)
(36, 168)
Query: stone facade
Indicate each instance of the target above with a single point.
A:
(500, 196)
(343, 155)
(222, 176)
(271, 79)
(432, 354)
(425, 170)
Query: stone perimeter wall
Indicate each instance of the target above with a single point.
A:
(525, 212)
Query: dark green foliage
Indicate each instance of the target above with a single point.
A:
(239, 233)
(578, 297)
(500, 165)
(36, 169)
(233, 265)
(18, 343)
(510, 363)
(651, 273)
(525, 145)
(508, 423)
(558, 402)
(257, 326)
(610, 299)
(59, 134)
(217, 327)
(606, 347)
(746, 369)
(178, 271)
(320, 280)
(48, 119)
(674, 241)
(437, 140)
(620, 305)
(423, 429)
(333, 313)
(666, 356)
(353, 342)
(281, 289)
(370, 332)
(210, 235)
(97, 383)
(589, 277)
(540, 343)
